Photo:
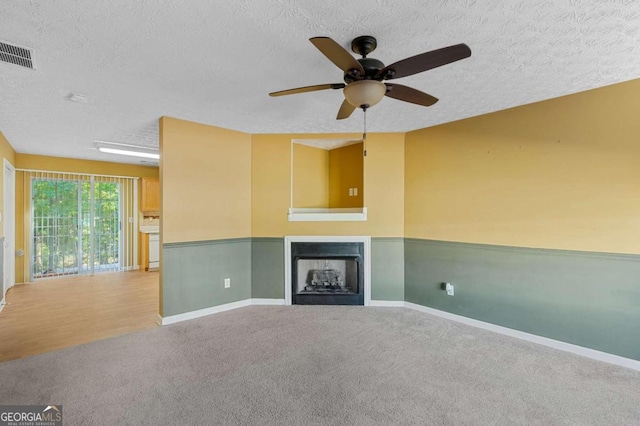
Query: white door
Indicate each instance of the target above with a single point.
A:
(9, 271)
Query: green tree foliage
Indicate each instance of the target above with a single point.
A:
(62, 225)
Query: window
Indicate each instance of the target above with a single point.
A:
(80, 224)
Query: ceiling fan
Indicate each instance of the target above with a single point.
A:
(363, 78)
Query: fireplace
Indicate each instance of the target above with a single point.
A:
(326, 270)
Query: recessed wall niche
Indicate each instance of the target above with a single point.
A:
(327, 177)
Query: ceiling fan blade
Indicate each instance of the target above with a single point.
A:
(308, 89)
(408, 94)
(425, 61)
(346, 109)
(337, 54)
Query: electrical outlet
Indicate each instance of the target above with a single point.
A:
(227, 282)
(355, 192)
(350, 192)
(449, 288)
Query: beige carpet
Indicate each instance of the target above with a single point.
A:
(316, 365)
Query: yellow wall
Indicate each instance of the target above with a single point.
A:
(383, 180)
(205, 180)
(310, 176)
(58, 164)
(73, 165)
(6, 151)
(346, 171)
(560, 174)
(563, 174)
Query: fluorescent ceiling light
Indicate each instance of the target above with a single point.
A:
(131, 153)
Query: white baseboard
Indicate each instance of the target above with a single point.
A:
(203, 312)
(2, 303)
(387, 303)
(278, 302)
(216, 309)
(545, 341)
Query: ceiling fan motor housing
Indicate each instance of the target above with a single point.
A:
(364, 45)
(371, 68)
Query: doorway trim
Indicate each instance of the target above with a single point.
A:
(9, 220)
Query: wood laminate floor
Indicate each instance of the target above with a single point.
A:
(60, 312)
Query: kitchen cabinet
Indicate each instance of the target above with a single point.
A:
(150, 205)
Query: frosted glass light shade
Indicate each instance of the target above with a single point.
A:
(364, 93)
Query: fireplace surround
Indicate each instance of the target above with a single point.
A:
(328, 270)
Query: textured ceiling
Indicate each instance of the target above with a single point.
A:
(216, 62)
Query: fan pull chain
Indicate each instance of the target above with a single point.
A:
(364, 133)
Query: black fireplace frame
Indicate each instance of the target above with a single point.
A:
(332, 251)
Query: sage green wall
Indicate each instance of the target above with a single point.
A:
(267, 268)
(194, 274)
(584, 298)
(387, 269)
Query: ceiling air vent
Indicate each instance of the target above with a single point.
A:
(13, 54)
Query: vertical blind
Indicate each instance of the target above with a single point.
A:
(78, 223)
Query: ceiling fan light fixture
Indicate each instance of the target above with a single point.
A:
(363, 77)
(364, 93)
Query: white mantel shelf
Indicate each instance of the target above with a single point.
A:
(327, 215)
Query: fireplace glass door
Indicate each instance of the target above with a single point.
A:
(327, 274)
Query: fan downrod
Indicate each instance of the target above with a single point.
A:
(364, 45)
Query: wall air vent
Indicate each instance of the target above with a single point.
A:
(13, 54)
